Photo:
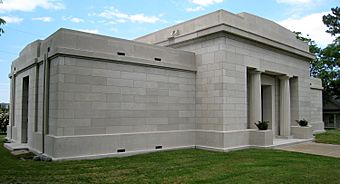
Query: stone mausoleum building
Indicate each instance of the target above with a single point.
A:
(202, 83)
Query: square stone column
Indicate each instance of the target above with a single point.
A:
(285, 115)
(11, 106)
(255, 105)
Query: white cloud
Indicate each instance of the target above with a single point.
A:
(73, 19)
(205, 2)
(311, 25)
(29, 5)
(43, 19)
(94, 31)
(13, 20)
(141, 18)
(294, 2)
(113, 13)
(198, 8)
(298, 8)
(76, 20)
(104, 22)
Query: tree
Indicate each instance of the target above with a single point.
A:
(332, 21)
(330, 55)
(330, 73)
(4, 119)
(315, 65)
(2, 21)
(326, 64)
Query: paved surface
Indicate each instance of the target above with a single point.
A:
(277, 142)
(314, 148)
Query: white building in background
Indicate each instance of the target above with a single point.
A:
(202, 83)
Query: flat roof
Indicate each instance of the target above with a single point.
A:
(242, 24)
(88, 45)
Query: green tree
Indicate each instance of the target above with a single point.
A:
(330, 55)
(315, 65)
(4, 119)
(330, 73)
(2, 22)
(326, 64)
(332, 21)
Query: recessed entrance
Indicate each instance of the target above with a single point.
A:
(267, 105)
(24, 114)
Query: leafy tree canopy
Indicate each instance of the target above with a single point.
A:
(332, 21)
(2, 22)
(326, 64)
(4, 119)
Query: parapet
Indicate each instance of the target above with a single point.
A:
(243, 24)
(87, 45)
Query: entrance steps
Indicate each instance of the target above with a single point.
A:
(16, 146)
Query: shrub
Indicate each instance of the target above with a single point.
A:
(302, 122)
(4, 120)
(262, 125)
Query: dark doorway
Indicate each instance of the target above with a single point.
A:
(24, 115)
(267, 105)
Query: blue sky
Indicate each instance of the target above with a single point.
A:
(28, 20)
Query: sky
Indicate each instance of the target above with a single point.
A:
(29, 20)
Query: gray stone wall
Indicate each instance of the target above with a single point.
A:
(209, 83)
(316, 119)
(91, 97)
(221, 87)
(249, 54)
(16, 130)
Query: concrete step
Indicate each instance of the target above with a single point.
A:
(16, 146)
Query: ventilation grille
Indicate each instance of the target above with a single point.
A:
(158, 147)
(158, 59)
(121, 53)
(121, 150)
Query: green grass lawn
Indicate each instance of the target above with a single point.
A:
(329, 137)
(180, 166)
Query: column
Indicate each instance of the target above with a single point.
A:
(11, 106)
(255, 107)
(285, 116)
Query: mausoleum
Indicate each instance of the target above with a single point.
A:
(202, 83)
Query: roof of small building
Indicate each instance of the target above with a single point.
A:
(333, 104)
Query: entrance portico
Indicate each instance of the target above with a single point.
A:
(262, 100)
